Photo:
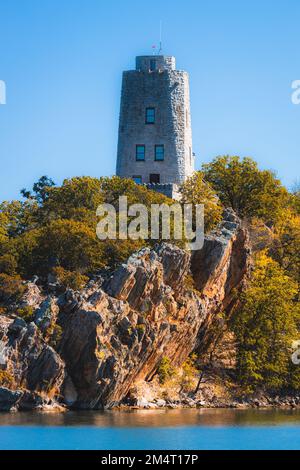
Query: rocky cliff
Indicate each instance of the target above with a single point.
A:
(116, 331)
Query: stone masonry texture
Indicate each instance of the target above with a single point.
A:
(167, 90)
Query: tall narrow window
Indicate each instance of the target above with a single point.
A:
(150, 115)
(137, 179)
(152, 65)
(159, 153)
(140, 153)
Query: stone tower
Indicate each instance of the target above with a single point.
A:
(155, 134)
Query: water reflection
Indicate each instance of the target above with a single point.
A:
(154, 418)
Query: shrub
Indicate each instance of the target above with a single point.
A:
(63, 243)
(196, 191)
(265, 327)
(70, 279)
(54, 335)
(11, 288)
(6, 379)
(26, 313)
(8, 264)
(249, 191)
(165, 370)
(189, 374)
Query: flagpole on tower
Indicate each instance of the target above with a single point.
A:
(160, 37)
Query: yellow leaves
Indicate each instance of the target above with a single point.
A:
(165, 370)
(249, 191)
(6, 379)
(196, 191)
(11, 288)
(289, 221)
(70, 279)
(266, 324)
(26, 313)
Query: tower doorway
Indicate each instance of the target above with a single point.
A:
(154, 178)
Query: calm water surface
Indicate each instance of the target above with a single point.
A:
(152, 429)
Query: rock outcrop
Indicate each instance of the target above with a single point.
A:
(32, 368)
(113, 337)
(220, 270)
(115, 332)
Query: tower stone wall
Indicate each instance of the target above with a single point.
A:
(155, 84)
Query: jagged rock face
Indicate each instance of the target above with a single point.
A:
(116, 332)
(33, 296)
(224, 260)
(109, 342)
(220, 270)
(32, 364)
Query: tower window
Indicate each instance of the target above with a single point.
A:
(150, 115)
(154, 178)
(137, 179)
(140, 153)
(159, 153)
(152, 65)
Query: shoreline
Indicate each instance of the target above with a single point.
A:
(59, 408)
(121, 408)
(20, 400)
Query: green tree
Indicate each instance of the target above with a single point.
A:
(296, 198)
(196, 191)
(113, 188)
(16, 217)
(66, 243)
(165, 370)
(286, 245)
(11, 288)
(77, 199)
(70, 279)
(39, 191)
(55, 227)
(265, 327)
(249, 191)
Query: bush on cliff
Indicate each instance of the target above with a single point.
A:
(266, 326)
(196, 191)
(165, 370)
(285, 248)
(11, 288)
(55, 228)
(70, 279)
(250, 192)
(66, 243)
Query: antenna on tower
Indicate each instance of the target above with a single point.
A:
(160, 37)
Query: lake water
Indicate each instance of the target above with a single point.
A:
(152, 429)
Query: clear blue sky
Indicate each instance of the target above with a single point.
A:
(62, 62)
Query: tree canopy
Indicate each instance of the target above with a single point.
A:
(53, 229)
(196, 191)
(251, 192)
(265, 326)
